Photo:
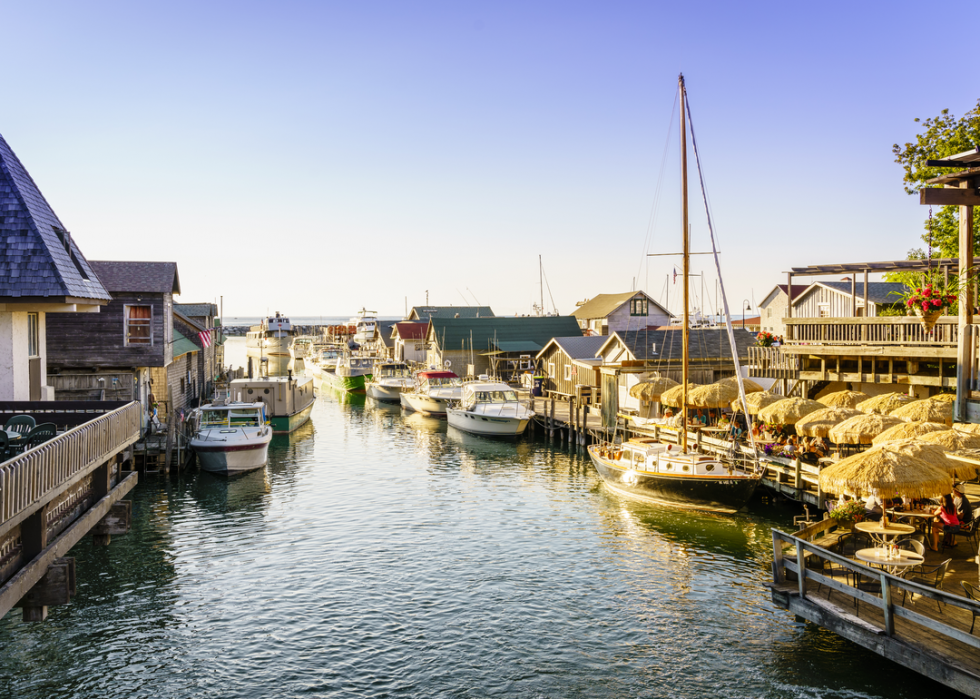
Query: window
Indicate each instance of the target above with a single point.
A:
(33, 335)
(638, 307)
(568, 372)
(551, 369)
(768, 313)
(139, 328)
(824, 309)
(182, 387)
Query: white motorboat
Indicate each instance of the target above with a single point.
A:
(268, 345)
(489, 408)
(433, 391)
(300, 348)
(389, 381)
(231, 438)
(365, 326)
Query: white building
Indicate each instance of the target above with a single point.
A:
(608, 313)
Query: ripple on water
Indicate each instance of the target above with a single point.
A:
(387, 555)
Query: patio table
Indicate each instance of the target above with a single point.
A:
(880, 534)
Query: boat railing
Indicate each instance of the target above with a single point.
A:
(807, 562)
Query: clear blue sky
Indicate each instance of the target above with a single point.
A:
(316, 157)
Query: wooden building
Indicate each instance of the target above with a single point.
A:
(42, 274)
(409, 339)
(834, 299)
(608, 313)
(504, 347)
(117, 348)
(772, 309)
(569, 365)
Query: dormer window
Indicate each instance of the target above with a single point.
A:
(139, 325)
(638, 307)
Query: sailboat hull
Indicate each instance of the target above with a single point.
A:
(722, 493)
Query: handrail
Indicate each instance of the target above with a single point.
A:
(28, 478)
(887, 330)
(888, 581)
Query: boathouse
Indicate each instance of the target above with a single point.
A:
(123, 352)
(609, 313)
(504, 347)
(42, 274)
(409, 339)
(570, 366)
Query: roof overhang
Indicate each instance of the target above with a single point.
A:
(50, 304)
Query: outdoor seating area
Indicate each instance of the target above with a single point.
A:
(21, 433)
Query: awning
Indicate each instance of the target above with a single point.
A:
(182, 345)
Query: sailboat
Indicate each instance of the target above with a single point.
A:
(667, 473)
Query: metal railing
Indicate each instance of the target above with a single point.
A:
(28, 478)
(885, 330)
(890, 585)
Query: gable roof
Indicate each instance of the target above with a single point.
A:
(703, 343)
(602, 305)
(878, 292)
(146, 277)
(797, 290)
(578, 346)
(506, 334)
(384, 332)
(426, 312)
(411, 330)
(197, 310)
(39, 256)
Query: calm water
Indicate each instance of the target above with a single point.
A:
(382, 554)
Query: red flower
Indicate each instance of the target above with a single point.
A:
(928, 291)
(925, 306)
(936, 303)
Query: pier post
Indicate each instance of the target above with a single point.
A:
(798, 481)
(551, 420)
(572, 422)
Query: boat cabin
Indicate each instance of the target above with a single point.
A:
(273, 326)
(487, 393)
(392, 370)
(233, 415)
(435, 379)
(645, 454)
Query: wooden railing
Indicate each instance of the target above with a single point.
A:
(32, 476)
(886, 330)
(770, 363)
(808, 552)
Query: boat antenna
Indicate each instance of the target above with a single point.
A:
(686, 107)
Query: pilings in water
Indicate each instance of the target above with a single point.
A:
(565, 418)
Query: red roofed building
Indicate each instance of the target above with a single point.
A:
(409, 340)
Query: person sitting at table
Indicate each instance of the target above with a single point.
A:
(700, 417)
(964, 510)
(873, 508)
(947, 522)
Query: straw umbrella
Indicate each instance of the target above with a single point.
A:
(935, 454)
(713, 395)
(756, 402)
(908, 430)
(885, 471)
(819, 422)
(928, 410)
(970, 427)
(788, 410)
(945, 397)
(672, 396)
(651, 390)
(861, 429)
(843, 399)
(749, 385)
(951, 440)
(884, 403)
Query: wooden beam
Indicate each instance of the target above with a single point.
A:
(949, 197)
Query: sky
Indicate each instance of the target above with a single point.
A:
(319, 157)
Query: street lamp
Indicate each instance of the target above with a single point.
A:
(746, 306)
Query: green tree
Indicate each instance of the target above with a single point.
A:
(944, 135)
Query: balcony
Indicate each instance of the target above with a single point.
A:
(887, 336)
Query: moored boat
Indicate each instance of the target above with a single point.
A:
(267, 346)
(388, 381)
(351, 374)
(433, 391)
(365, 326)
(489, 408)
(289, 399)
(231, 438)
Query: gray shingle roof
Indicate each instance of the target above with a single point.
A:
(878, 292)
(196, 310)
(490, 333)
(37, 255)
(705, 343)
(147, 277)
(581, 347)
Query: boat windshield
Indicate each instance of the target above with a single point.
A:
(395, 371)
(496, 397)
(445, 381)
(242, 417)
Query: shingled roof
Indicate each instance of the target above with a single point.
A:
(38, 257)
(602, 305)
(878, 292)
(704, 343)
(145, 277)
(506, 334)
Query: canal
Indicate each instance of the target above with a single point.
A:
(386, 554)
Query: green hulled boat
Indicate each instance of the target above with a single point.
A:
(351, 374)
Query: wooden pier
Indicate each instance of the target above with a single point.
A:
(56, 493)
(929, 633)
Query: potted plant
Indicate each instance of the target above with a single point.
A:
(847, 513)
(929, 301)
(767, 339)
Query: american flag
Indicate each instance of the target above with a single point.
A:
(205, 337)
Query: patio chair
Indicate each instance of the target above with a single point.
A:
(970, 531)
(930, 577)
(4, 447)
(20, 423)
(39, 435)
(974, 594)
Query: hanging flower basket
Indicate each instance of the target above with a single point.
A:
(929, 302)
(928, 319)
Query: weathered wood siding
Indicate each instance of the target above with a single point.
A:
(838, 305)
(557, 357)
(98, 340)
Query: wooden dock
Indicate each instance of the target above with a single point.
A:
(918, 633)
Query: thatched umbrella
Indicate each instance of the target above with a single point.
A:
(970, 427)
(715, 395)
(935, 454)
(944, 397)
(927, 410)
(672, 396)
(651, 390)
(749, 385)
(843, 399)
(885, 471)
(819, 422)
(884, 404)
(788, 410)
(908, 430)
(951, 440)
(756, 402)
(861, 429)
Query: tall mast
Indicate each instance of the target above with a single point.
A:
(685, 332)
(541, 282)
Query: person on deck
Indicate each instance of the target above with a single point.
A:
(964, 510)
(947, 522)
(873, 508)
